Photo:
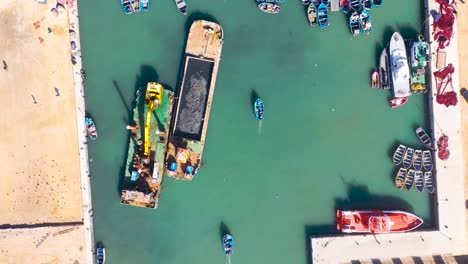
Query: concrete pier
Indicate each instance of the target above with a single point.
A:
(449, 236)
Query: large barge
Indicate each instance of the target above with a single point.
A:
(202, 57)
(147, 148)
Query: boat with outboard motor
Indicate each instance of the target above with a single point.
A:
(424, 137)
(376, 221)
(228, 244)
(127, 6)
(354, 23)
(400, 177)
(312, 14)
(399, 67)
(365, 22)
(101, 255)
(181, 6)
(397, 102)
(259, 108)
(322, 15)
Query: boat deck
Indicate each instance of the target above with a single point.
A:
(145, 191)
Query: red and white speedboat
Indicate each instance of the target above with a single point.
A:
(398, 101)
(376, 222)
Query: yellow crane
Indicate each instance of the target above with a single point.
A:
(154, 99)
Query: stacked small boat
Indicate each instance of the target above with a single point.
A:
(317, 12)
(134, 6)
(416, 165)
(359, 19)
(269, 6)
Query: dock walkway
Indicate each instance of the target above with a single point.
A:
(449, 237)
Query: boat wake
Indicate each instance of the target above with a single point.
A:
(260, 127)
(229, 259)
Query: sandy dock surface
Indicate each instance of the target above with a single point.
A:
(51, 245)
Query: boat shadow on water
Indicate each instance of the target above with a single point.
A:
(253, 97)
(223, 230)
(147, 73)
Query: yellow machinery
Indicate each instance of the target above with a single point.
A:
(154, 99)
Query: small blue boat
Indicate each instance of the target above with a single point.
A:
(228, 244)
(91, 128)
(377, 2)
(365, 21)
(258, 108)
(144, 5)
(127, 6)
(101, 256)
(354, 23)
(322, 15)
(367, 4)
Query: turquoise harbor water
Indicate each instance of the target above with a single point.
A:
(325, 143)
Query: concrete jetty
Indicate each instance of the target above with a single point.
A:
(449, 236)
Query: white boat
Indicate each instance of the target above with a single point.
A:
(417, 159)
(399, 67)
(181, 6)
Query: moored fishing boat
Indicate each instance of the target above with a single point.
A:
(144, 5)
(367, 4)
(384, 70)
(259, 109)
(417, 159)
(409, 180)
(365, 22)
(228, 244)
(400, 177)
(322, 15)
(91, 128)
(408, 158)
(377, 2)
(424, 137)
(127, 6)
(101, 255)
(375, 79)
(427, 160)
(428, 182)
(376, 221)
(312, 14)
(419, 59)
(355, 5)
(149, 135)
(135, 5)
(398, 154)
(181, 6)
(344, 6)
(196, 90)
(399, 67)
(270, 8)
(354, 23)
(397, 102)
(419, 181)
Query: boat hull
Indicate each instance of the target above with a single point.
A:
(376, 222)
(384, 68)
(322, 15)
(259, 108)
(399, 67)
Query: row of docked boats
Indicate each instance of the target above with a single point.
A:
(358, 5)
(134, 6)
(409, 157)
(395, 73)
(269, 7)
(360, 22)
(417, 178)
(318, 14)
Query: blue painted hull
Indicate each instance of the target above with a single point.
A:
(322, 15)
(259, 109)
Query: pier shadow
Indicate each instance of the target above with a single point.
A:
(223, 230)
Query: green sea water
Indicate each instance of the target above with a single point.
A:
(325, 143)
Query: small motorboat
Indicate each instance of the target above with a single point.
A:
(91, 128)
(397, 102)
(383, 70)
(376, 222)
(367, 4)
(424, 137)
(377, 2)
(135, 5)
(101, 255)
(409, 180)
(398, 155)
(144, 5)
(375, 79)
(355, 5)
(408, 158)
(181, 6)
(270, 8)
(427, 160)
(127, 6)
(312, 14)
(400, 177)
(419, 181)
(417, 159)
(428, 183)
(365, 22)
(259, 108)
(354, 24)
(323, 15)
(228, 244)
